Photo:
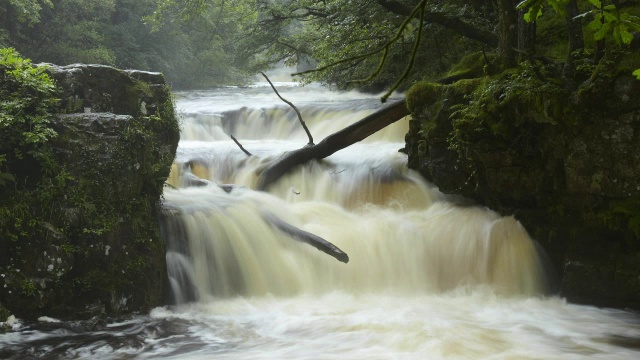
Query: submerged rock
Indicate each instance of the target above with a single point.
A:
(100, 252)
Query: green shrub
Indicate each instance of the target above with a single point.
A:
(27, 100)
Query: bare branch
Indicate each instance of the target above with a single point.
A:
(306, 129)
(377, 71)
(384, 48)
(445, 20)
(412, 61)
(240, 146)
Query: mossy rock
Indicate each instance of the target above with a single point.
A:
(561, 155)
(99, 251)
(423, 94)
(472, 65)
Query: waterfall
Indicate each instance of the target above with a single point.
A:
(427, 278)
(400, 233)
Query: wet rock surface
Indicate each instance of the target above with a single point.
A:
(565, 163)
(101, 253)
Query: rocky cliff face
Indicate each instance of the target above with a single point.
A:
(99, 252)
(565, 161)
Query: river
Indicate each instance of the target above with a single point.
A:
(426, 278)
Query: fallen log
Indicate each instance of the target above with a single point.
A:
(277, 223)
(334, 142)
(306, 237)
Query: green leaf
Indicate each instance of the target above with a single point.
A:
(632, 22)
(534, 13)
(625, 35)
(559, 5)
(632, 25)
(596, 24)
(596, 3)
(610, 16)
(637, 73)
(616, 35)
(604, 30)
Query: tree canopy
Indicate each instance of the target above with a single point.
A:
(198, 53)
(376, 44)
(369, 44)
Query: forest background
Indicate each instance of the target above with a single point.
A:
(205, 43)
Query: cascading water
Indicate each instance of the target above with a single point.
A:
(400, 233)
(426, 278)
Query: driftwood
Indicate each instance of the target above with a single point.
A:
(306, 237)
(334, 142)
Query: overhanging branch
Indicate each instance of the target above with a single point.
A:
(445, 20)
(306, 129)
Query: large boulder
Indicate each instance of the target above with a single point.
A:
(99, 251)
(562, 159)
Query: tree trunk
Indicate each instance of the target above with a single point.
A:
(526, 36)
(334, 142)
(508, 18)
(576, 38)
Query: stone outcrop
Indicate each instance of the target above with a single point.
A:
(100, 253)
(563, 161)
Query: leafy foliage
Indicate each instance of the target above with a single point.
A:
(534, 7)
(198, 53)
(27, 96)
(608, 20)
(366, 44)
(385, 48)
(28, 11)
(369, 44)
(27, 101)
(214, 32)
(197, 43)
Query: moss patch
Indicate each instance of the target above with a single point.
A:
(513, 98)
(422, 94)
